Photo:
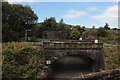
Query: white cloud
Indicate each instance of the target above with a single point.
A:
(74, 14)
(92, 8)
(110, 15)
(115, 0)
(12, 1)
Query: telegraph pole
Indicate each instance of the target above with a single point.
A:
(26, 34)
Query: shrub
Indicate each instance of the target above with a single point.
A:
(101, 32)
(22, 60)
(112, 57)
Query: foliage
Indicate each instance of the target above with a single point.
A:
(112, 57)
(16, 19)
(107, 26)
(93, 27)
(104, 36)
(101, 32)
(114, 28)
(50, 24)
(75, 34)
(61, 25)
(21, 60)
(38, 30)
(81, 30)
(89, 35)
(112, 35)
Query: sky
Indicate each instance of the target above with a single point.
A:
(77, 13)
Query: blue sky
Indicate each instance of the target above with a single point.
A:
(77, 13)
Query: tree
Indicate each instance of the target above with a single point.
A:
(16, 19)
(38, 30)
(107, 26)
(81, 30)
(101, 32)
(61, 25)
(83, 26)
(50, 24)
(75, 34)
(114, 28)
(93, 27)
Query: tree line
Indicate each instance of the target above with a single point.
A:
(16, 19)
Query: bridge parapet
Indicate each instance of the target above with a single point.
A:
(55, 50)
(73, 45)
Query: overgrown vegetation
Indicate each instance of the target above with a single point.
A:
(103, 35)
(22, 60)
(112, 57)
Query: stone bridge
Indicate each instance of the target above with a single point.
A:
(90, 53)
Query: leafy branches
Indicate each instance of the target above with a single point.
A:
(16, 19)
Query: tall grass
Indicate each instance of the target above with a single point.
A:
(112, 57)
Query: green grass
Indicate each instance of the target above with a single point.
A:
(112, 57)
(38, 43)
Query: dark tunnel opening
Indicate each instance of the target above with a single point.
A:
(71, 66)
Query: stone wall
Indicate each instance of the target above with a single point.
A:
(103, 75)
(53, 35)
(56, 50)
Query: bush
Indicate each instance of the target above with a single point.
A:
(75, 34)
(21, 60)
(101, 32)
(112, 57)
